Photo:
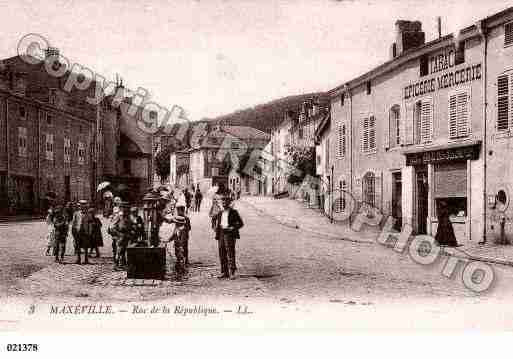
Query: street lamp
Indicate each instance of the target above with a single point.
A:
(150, 209)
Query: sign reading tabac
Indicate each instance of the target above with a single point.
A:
(442, 65)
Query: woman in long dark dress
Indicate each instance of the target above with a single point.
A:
(445, 232)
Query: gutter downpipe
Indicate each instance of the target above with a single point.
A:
(8, 153)
(348, 91)
(482, 31)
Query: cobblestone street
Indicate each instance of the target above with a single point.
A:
(279, 264)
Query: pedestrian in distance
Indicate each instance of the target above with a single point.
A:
(96, 233)
(61, 233)
(188, 199)
(228, 224)
(198, 197)
(76, 225)
(50, 235)
(85, 236)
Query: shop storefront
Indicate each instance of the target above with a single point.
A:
(443, 177)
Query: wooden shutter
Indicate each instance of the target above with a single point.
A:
(407, 125)
(372, 133)
(508, 34)
(453, 123)
(365, 134)
(451, 180)
(462, 113)
(426, 121)
(502, 102)
(343, 140)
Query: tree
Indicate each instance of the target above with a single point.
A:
(162, 166)
(302, 160)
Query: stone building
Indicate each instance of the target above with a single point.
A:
(431, 125)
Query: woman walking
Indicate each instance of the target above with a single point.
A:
(445, 232)
(96, 236)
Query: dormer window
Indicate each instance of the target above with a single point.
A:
(508, 34)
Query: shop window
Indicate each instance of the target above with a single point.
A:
(395, 126)
(459, 113)
(457, 206)
(451, 186)
(508, 34)
(369, 189)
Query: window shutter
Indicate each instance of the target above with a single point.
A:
(407, 125)
(372, 133)
(343, 140)
(453, 123)
(462, 114)
(502, 103)
(426, 121)
(365, 134)
(508, 34)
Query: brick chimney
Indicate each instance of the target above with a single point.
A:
(409, 35)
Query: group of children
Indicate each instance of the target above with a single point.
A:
(85, 230)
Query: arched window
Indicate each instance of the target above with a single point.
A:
(395, 126)
(369, 188)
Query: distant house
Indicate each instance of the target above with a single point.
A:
(217, 156)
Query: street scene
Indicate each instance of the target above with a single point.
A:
(207, 186)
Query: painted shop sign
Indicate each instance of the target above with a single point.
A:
(449, 79)
(446, 155)
(441, 63)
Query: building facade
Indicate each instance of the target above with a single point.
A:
(430, 126)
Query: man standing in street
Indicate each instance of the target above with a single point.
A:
(78, 219)
(228, 223)
(61, 233)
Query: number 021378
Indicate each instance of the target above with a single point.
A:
(22, 347)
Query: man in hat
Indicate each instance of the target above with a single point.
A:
(77, 223)
(181, 232)
(228, 222)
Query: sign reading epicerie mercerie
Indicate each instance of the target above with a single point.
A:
(440, 63)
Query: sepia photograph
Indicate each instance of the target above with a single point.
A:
(341, 165)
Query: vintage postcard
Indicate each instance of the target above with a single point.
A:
(255, 165)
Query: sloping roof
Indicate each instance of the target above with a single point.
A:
(245, 132)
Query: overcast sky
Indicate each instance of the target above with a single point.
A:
(213, 57)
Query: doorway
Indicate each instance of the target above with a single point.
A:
(397, 200)
(422, 200)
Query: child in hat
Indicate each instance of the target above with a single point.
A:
(181, 238)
